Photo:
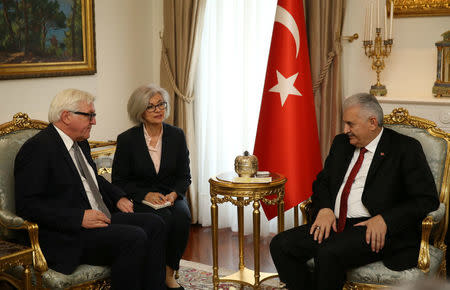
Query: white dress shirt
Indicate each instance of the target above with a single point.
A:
(68, 142)
(355, 208)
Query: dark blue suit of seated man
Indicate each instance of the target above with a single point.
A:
(369, 199)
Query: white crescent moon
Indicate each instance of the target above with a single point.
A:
(284, 17)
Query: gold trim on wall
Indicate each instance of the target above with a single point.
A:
(419, 8)
(39, 68)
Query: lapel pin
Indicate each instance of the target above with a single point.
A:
(382, 153)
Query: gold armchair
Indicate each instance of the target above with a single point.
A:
(431, 262)
(12, 135)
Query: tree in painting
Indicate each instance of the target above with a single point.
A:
(40, 31)
(74, 35)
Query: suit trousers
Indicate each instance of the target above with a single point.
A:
(178, 222)
(133, 244)
(291, 250)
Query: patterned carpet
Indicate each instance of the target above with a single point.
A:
(199, 276)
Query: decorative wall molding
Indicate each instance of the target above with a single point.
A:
(436, 111)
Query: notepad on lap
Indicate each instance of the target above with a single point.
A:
(156, 206)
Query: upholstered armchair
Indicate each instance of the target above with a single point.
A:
(12, 227)
(431, 262)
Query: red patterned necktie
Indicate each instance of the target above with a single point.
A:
(346, 190)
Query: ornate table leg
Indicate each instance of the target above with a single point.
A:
(240, 212)
(256, 236)
(27, 277)
(214, 217)
(281, 212)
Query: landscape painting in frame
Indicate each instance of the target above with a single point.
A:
(43, 38)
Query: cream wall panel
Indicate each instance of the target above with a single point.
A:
(128, 52)
(411, 68)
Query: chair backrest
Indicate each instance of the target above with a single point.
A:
(436, 146)
(103, 155)
(12, 136)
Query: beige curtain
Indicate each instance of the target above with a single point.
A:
(183, 22)
(324, 21)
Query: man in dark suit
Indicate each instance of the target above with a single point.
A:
(82, 218)
(374, 190)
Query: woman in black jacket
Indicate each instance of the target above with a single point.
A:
(151, 165)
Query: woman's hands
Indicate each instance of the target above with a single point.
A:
(155, 197)
(159, 198)
(172, 197)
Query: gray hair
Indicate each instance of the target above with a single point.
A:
(68, 100)
(138, 102)
(368, 104)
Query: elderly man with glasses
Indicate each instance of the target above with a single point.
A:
(82, 218)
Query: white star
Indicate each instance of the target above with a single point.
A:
(285, 87)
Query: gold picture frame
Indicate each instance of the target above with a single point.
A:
(64, 46)
(419, 8)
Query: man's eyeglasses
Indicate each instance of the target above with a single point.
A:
(89, 115)
(161, 106)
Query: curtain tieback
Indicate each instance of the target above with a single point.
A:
(326, 68)
(165, 60)
(324, 71)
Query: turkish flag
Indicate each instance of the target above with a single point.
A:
(287, 141)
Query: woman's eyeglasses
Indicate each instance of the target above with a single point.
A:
(161, 106)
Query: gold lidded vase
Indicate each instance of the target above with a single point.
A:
(246, 165)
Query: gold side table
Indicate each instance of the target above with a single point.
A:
(14, 255)
(222, 190)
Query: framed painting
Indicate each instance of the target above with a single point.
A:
(44, 38)
(417, 8)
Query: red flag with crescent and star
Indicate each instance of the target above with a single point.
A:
(287, 141)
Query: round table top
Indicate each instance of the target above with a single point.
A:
(223, 184)
(228, 176)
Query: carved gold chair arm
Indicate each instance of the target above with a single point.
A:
(306, 208)
(424, 253)
(96, 144)
(428, 222)
(13, 222)
(9, 219)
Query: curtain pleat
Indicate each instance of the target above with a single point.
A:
(325, 19)
(183, 24)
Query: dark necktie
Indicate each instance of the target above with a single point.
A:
(346, 190)
(86, 174)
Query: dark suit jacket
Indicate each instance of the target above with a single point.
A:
(49, 191)
(133, 168)
(399, 186)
